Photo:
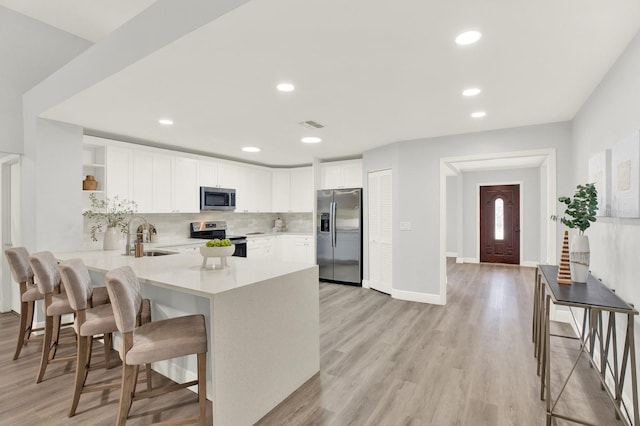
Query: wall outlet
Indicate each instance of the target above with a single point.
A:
(405, 226)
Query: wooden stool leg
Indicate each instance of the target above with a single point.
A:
(107, 351)
(31, 307)
(24, 314)
(202, 387)
(126, 393)
(147, 367)
(46, 347)
(81, 373)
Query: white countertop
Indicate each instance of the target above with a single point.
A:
(182, 271)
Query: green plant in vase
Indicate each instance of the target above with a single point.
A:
(109, 213)
(579, 213)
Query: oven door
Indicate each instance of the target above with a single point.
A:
(241, 247)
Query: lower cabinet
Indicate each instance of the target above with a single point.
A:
(289, 248)
(261, 248)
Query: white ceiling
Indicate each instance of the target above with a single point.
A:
(90, 20)
(372, 72)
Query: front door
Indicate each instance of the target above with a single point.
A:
(500, 224)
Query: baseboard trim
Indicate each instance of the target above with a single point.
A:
(451, 254)
(365, 284)
(412, 296)
(564, 316)
(470, 260)
(459, 260)
(529, 263)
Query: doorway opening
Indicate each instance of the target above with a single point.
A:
(500, 224)
(9, 227)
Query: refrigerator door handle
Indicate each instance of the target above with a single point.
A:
(332, 222)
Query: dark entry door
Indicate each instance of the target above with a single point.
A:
(500, 224)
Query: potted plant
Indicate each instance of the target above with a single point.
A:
(110, 213)
(580, 211)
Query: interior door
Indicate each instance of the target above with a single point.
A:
(380, 231)
(500, 224)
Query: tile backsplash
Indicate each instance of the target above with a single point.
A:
(175, 226)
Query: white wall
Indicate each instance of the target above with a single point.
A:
(30, 51)
(416, 264)
(529, 180)
(452, 216)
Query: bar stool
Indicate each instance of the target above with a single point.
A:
(155, 341)
(18, 259)
(56, 304)
(90, 323)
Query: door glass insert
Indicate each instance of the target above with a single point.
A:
(499, 219)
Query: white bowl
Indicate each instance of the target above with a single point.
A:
(217, 251)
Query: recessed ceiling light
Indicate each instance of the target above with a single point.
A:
(478, 114)
(468, 37)
(165, 122)
(471, 92)
(311, 139)
(251, 149)
(286, 87)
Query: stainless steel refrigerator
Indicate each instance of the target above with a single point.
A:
(340, 235)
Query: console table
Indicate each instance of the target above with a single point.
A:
(596, 300)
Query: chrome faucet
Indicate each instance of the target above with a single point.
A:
(127, 249)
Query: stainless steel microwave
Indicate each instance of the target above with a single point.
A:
(217, 198)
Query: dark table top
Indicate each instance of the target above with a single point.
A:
(591, 293)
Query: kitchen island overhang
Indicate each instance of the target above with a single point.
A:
(262, 320)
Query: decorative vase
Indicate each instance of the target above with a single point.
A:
(579, 258)
(89, 183)
(110, 239)
(564, 270)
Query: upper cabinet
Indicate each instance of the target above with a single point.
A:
(157, 180)
(163, 181)
(292, 190)
(341, 174)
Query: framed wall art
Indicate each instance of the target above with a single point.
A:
(625, 184)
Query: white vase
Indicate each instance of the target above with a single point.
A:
(579, 258)
(111, 239)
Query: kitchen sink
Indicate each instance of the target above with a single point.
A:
(155, 253)
(158, 252)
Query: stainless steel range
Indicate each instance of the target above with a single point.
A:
(218, 229)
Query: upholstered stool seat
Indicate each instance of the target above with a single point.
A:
(18, 259)
(99, 320)
(155, 341)
(166, 339)
(31, 294)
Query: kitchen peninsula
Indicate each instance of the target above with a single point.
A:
(262, 317)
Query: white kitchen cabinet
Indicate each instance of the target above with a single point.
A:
(302, 196)
(280, 198)
(261, 247)
(297, 248)
(186, 195)
(229, 175)
(162, 183)
(292, 190)
(341, 174)
(118, 172)
(142, 180)
(260, 188)
(208, 174)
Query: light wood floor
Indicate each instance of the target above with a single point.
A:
(383, 362)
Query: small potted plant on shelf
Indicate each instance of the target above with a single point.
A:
(580, 211)
(112, 213)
